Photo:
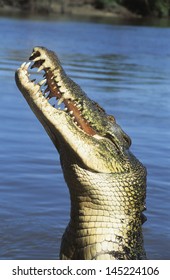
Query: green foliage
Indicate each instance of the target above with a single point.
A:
(104, 4)
(143, 7)
(138, 6)
(159, 8)
(162, 8)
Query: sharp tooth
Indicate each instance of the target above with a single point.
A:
(60, 101)
(42, 82)
(40, 68)
(78, 106)
(71, 112)
(31, 56)
(50, 95)
(36, 58)
(35, 55)
(62, 88)
(23, 65)
(46, 90)
(27, 65)
(59, 83)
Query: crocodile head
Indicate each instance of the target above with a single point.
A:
(81, 126)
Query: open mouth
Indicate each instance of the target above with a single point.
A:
(58, 90)
(52, 89)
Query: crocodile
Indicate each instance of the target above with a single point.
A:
(106, 182)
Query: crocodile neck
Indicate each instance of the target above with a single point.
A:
(101, 225)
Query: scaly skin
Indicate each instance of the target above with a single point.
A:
(107, 183)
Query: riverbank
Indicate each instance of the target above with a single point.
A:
(81, 9)
(116, 11)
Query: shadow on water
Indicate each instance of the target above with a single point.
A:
(124, 67)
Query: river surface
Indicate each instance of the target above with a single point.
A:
(124, 67)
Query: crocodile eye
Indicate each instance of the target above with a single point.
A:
(119, 139)
(127, 140)
(113, 140)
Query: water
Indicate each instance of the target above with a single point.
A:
(126, 68)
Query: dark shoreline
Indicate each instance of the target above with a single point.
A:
(119, 15)
(118, 12)
(123, 9)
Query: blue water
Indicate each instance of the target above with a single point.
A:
(126, 68)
